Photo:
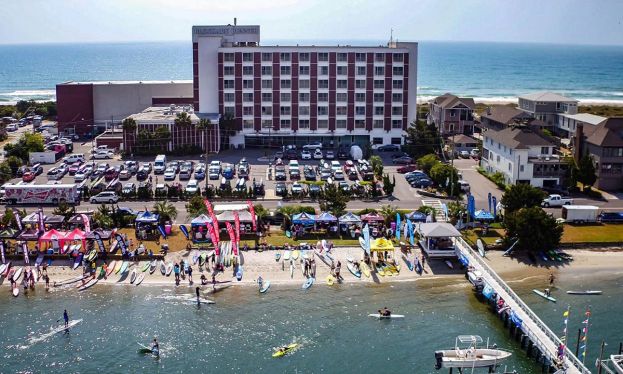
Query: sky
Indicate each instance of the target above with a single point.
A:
(540, 21)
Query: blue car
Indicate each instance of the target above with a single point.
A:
(200, 174)
(228, 172)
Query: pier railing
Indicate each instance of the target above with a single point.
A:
(543, 346)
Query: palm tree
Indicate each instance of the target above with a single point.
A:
(182, 119)
(203, 125)
(165, 210)
(288, 211)
(260, 213)
(102, 218)
(129, 126)
(389, 212)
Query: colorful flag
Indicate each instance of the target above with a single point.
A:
(86, 223)
(397, 226)
(237, 226)
(213, 237)
(41, 221)
(2, 251)
(253, 218)
(26, 255)
(18, 219)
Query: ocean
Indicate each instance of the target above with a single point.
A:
(239, 332)
(485, 71)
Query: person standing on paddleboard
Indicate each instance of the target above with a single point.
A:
(66, 318)
(190, 275)
(155, 347)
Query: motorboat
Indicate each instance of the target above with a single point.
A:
(617, 363)
(468, 354)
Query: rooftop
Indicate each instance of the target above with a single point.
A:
(126, 82)
(503, 114)
(517, 137)
(547, 96)
(462, 138)
(163, 114)
(608, 133)
(448, 101)
(591, 119)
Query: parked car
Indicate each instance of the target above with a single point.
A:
(318, 154)
(314, 190)
(344, 186)
(325, 173)
(338, 175)
(125, 175)
(28, 176)
(406, 169)
(229, 172)
(313, 145)
(306, 155)
(103, 155)
(131, 167)
(169, 174)
(73, 168)
(185, 172)
(174, 165)
(309, 174)
(291, 154)
(83, 174)
(128, 188)
(389, 148)
(335, 166)
(280, 173)
(464, 154)
(111, 173)
(146, 168)
(278, 155)
(555, 200)
(402, 160)
(214, 170)
(464, 186)
(106, 197)
(54, 174)
(295, 174)
(192, 186)
(11, 127)
(297, 189)
(422, 183)
(280, 188)
(329, 155)
(352, 175)
(200, 171)
(343, 153)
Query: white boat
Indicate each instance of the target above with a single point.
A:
(467, 354)
(617, 363)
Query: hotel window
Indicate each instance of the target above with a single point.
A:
(360, 124)
(360, 110)
(379, 70)
(228, 83)
(247, 70)
(286, 97)
(340, 124)
(285, 56)
(379, 83)
(228, 70)
(285, 124)
(267, 83)
(304, 70)
(397, 97)
(361, 70)
(228, 97)
(398, 57)
(303, 124)
(286, 83)
(304, 83)
(230, 110)
(360, 97)
(397, 141)
(267, 96)
(341, 97)
(323, 56)
(342, 57)
(377, 140)
(397, 84)
(377, 124)
(267, 70)
(267, 57)
(360, 83)
(247, 57)
(323, 70)
(323, 83)
(284, 110)
(341, 110)
(379, 57)
(379, 97)
(303, 97)
(247, 83)
(247, 110)
(323, 97)
(323, 124)
(247, 124)
(228, 57)
(396, 111)
(285, 70)
(267, 123)
(378, 110)
(304, 56)
(323, 110)
(342, 83)
(397, 70)
(267, 110)
(396, 124)
(303, 110)
(360, 57)
(342, 70)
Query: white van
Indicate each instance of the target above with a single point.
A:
(160, 164)
(74, 157)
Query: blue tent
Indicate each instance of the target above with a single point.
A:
(349, 218)
(147, 217)
(326, 217)
(416, 216)
(483, 215)
(303, 219)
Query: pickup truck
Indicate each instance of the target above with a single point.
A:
(555, 200)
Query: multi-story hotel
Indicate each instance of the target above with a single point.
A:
(294, 94)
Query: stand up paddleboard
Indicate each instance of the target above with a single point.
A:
(481, 247)
(265, 286)
(379, 316)
(543, 295)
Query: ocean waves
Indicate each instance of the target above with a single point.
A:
(10, 98)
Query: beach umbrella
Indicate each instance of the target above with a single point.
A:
(398, 226)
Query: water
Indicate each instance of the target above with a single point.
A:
(495, 71)
(237, 335)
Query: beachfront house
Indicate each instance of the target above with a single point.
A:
(523, 155)
(452, 114)
(547, 106)
(567, 124)
(498, 117)
(604, 142)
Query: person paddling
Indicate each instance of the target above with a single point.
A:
(197, 293)
(260, 281)
(385, 312)
(66, 318)
(155, 347)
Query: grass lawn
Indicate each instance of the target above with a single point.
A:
(603, 233)
(489, 239)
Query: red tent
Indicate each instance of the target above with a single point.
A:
(51, 235)
(76, 234)
(372, 217)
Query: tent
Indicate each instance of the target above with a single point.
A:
(326, 217)
(33, 218)
(9, 233)
(52, 235)
(372, 217)
(416, 216)
(228, 216)
(303, 219)
(54, 221)
(438, 230)
(482, 215)
(104, 234)
(76, 234)
(382, 245)
(349, 218)
(30, 234)
(200, 220)
(147, 217)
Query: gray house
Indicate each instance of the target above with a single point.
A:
(498, 117)
(452, 114)
(604, 142)
(547, 106)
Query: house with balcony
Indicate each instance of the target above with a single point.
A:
(452, 114)
(523, 155)
(547, 106)
(498, 117)
(567, 123)
(604, 143)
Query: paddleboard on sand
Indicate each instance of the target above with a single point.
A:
(308, 283)
(140, 278)
(286, 255)
(124, 267)
(88, 284)
(364, 269)
(145, 267)
(295, 254)
(15, 291)
(169, 268)
(277, 256)
(286, 350)
(239, 273)
(481, 247)
(265, 286)
(353, 270)
(78, 261)
(408, 262)
(111, 268)
(362, 243)
(543, 295)
(133, 276)
(18, 274)
(118, 266)
(163, 267)
(330, 280)
(379, 316)
(288, 234)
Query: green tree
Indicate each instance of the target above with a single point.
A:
(584, 172)
(182, 119)
(534, 229)
(102, 217)
(65, 210)
(5, 172)
(28, 142)
(427, 162)
(388, 212)
(447, 178)
(260, 214)
(520, 196)
(196, 206)
(288, 212)
(422, 139)
(129, 124)
(388, 185)
(8, 219)
(334, 200)
(203, 125)
(456, 209)
(14, 163)
(377, 166)
(165, 210)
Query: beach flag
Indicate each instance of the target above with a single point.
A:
(230, 232)
(213, 236)
(253, 218)
(489, 200)
(98, 240)
(18, 219)
(237, 223)
(40, 221)
(86, 223)
(411, 230)
(494, 202)
(2, 254)
(563, 338)
(26, 256)
(397, 226)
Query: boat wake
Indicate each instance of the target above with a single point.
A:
(53, 331)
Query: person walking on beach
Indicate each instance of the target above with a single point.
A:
(338, 269)
(66, 318)
(190, 274)
(551, 279)
(197, 293)
(176, 271)
(47, 281)
(213, 281)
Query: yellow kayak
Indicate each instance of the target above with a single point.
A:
(330, 280)
(364, 269)
(286, 350)
(393, 269)
(379, 270)
(295, 254)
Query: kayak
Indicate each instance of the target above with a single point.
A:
(379, 316)
(353, 271)
(288, 349)
(295, 254)
(379, 269)
(286, 255)
(408, 262)
(88, 284)
(152, 266)
(163, 267)
(118, 267)
(587, 292)
(133, 276)
(364, 269)
(330, 280)
(111, 268)
(265, 286)
(543, 295)
(139, 280)
(78, 261)
(124, 267)
(145, 267)
(308, 283)
(169, 268)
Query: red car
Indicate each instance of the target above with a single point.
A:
(407, 168)
(28, 176)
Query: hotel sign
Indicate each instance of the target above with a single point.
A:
(224, 30)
